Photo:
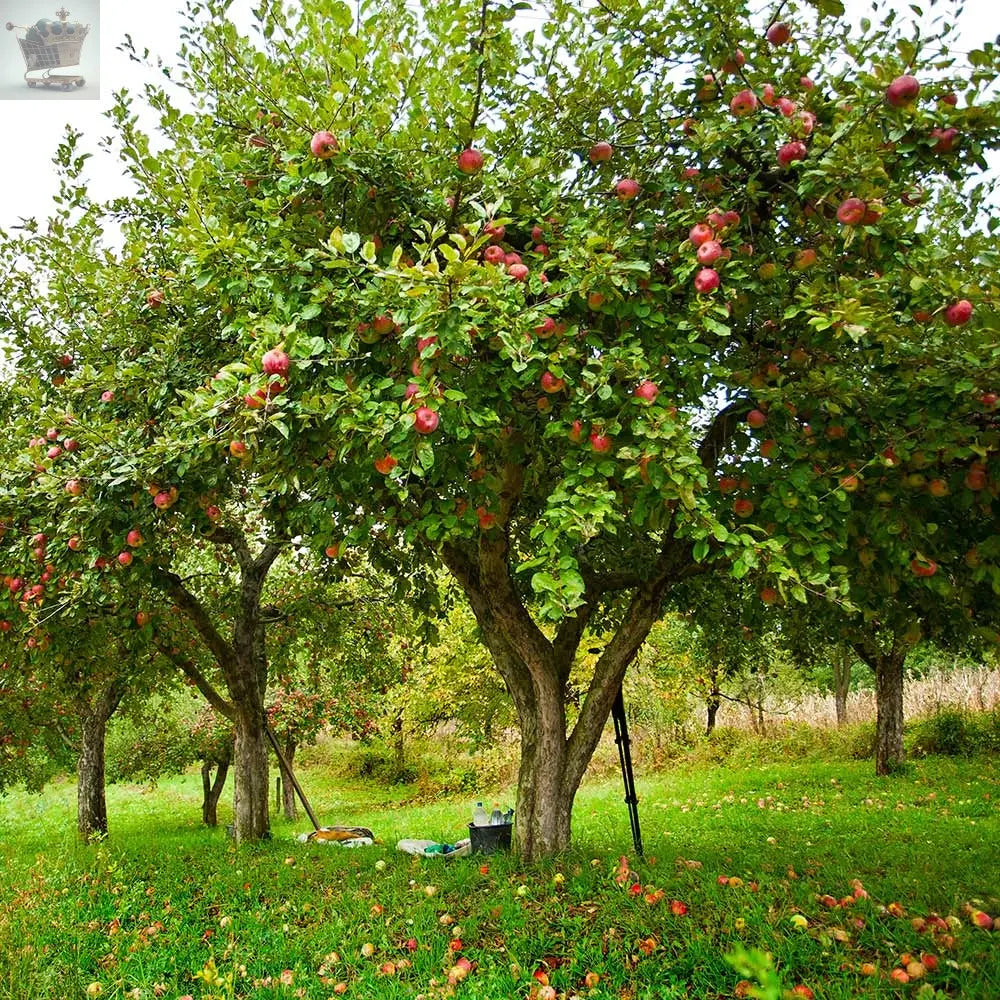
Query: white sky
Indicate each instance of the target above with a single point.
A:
(31, 128)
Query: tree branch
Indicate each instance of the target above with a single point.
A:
(568, 637)
(721, 432)
(172, 584)
(187, 667)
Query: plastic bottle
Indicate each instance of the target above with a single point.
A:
(496, 818)
(479, 817)
(508, 817)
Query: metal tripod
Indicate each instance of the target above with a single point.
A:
(625, 756)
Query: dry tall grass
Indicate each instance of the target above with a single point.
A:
(973, 688)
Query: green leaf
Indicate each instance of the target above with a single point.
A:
(829, 8)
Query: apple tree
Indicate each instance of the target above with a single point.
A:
(96, 470)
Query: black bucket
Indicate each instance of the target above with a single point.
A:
(490, 839)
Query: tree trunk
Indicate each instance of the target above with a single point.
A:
(91, 802)
(545, 793)
(288, 802)
(250, 800)
(889, 752)
(536, 668)
(398, 747)
(91, 805)
(712, 705)
(841, 683)
(212, 790)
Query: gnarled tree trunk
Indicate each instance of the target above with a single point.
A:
(536, 670)
(212, 790)
(888, 665)
(889, 753)
(91, 801)
(841, 682)
(250, 798)
(243, 664)
(712, 705)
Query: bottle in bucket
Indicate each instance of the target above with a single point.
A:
(479, 817)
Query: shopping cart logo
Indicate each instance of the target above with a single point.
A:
(49, 46)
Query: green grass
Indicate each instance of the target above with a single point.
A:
(146, 910)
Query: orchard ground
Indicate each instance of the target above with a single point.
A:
(168, 908)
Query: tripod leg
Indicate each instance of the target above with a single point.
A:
(628, 777)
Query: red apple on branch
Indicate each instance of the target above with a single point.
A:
(600, 152)
(275, 362)
(744, 103)
(383, 324)
(626, 189)
(709, 252)
(792, 152)
(706, 281)
(701, 234)
(902, 91)
(959, 313)
(976, 478)
(735, 62)
(647, 391)
(779, 33)
(425, 420)
(323, 145)
(947, 139)
(600, 442)
(922, 566)
(470, 161)
(851, 212)
(804, 259)
(756, 419)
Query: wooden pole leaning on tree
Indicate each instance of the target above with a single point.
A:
(291, 775)
(625, 756)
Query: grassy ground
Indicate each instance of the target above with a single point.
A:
(167, 908)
